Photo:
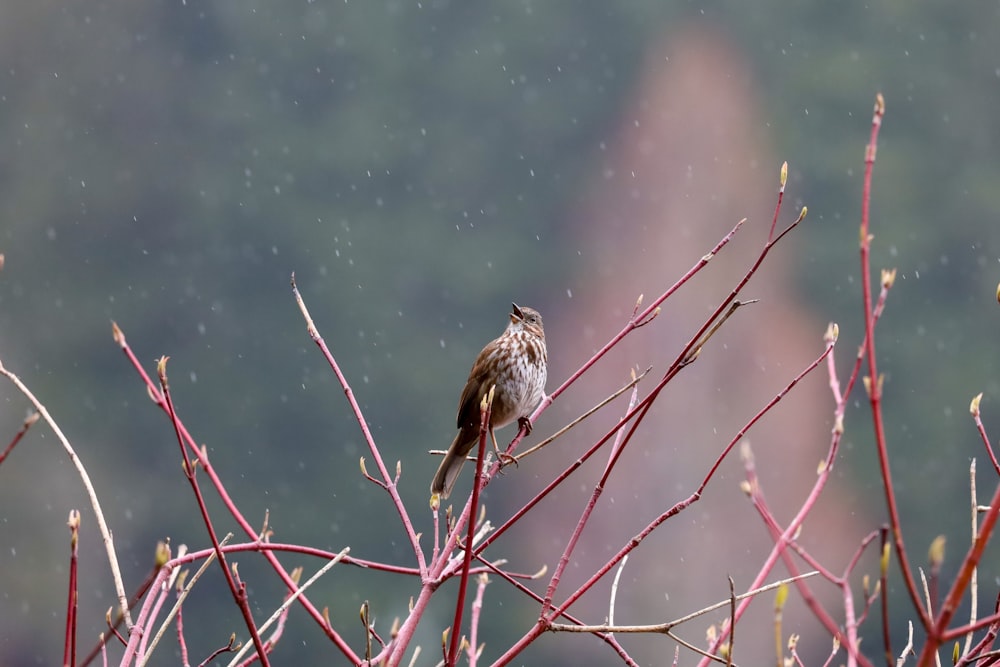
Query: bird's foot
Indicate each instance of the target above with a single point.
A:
(506, 459)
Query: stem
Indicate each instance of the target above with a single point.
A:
(484, 427)
(875, 381)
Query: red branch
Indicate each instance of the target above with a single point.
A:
(35, 416)
(874, 380)
(238, 590)
(69, 647)
(206, 466)
(456, 627)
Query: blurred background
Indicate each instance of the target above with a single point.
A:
(168, 165)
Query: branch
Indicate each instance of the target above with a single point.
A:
(663, 628)
(390, 482)
(238, 591)
(157, 397)
(102, 525)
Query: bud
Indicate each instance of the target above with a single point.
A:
(936, 552)
(974, 405)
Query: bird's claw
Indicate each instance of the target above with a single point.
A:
(506, 459)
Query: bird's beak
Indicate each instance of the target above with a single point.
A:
(516, 314)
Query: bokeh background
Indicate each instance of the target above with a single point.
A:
(167, 165)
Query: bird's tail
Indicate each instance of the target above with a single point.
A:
(451, 466)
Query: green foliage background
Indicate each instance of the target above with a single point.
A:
(168, 164)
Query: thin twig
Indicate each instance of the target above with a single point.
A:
(564, 429)
(715, 328)
(138, 594)
(72, 603)
(908, 649)
(642, 317)
(28, 423)
(292, 598)
(237, 590)
(732, 622)
(974, 588)
(614, 591)
(926, 589)
(697, 649)
(974, 410)
(677, 508)
(874, 383)
(588, 509)
(181, 597)
(517, 585)
(984, 644)
(102, 525)
(485, 409)
(662, 628)
(781, 543)
(390, 485)
(156, 396)
(845, 632)
(482, 581)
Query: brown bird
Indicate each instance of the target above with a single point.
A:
(516, 364)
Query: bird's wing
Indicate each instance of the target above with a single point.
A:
(472, 395)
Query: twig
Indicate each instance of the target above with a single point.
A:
(228, 648)
(366, 621)
(181, 597)
(732, 622)
(28, 423)
(485, 409)
(883, 581)
(237, 590)
(908, 649)
(636, 540)
(974, 589)
(662, 628)
(614, 591)
(985, 643)
(715, 328)
(779, 608)
(845, 632)
(69, 650)
(391, 486)
(974, 411)
(482, 581)
(833, 652)
(874, 382)
(697, 649)
(926, 589)
(517, 585)
(618, 392)
(157, 397)
(587, 511)
(292, 598)
(138, 594)
(791, 530)
(939, 631)
(793, 643)
(636, 319)
(102, 525)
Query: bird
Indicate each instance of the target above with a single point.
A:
(516, 364)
